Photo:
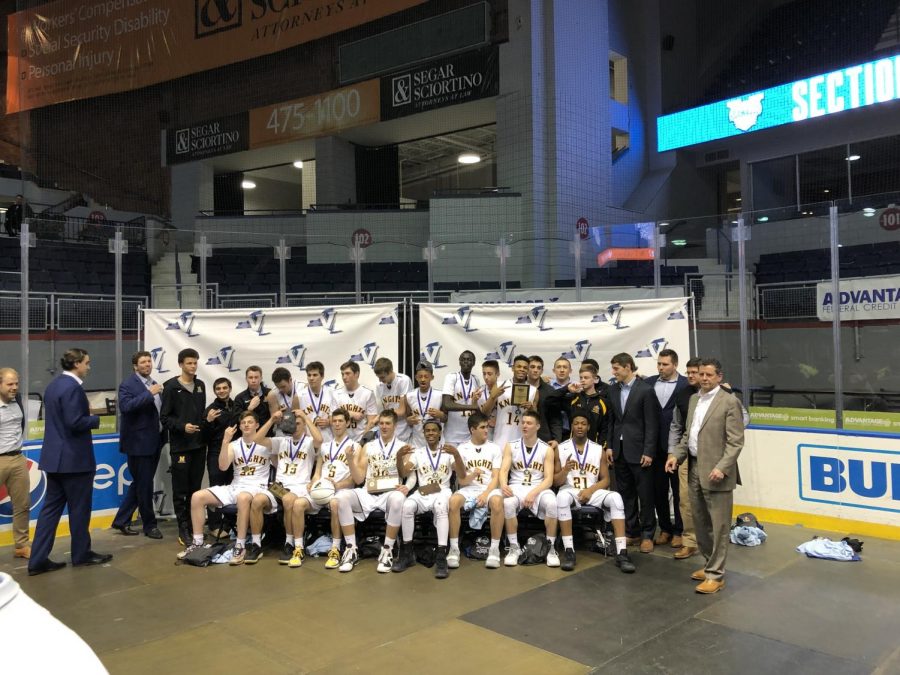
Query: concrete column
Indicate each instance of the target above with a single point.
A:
(192, 192)
(335, 171)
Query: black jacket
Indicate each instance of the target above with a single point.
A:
(242, 401)
(596, 405)
(214, 432)
(181, 407)
(551, 420)
(634, 431)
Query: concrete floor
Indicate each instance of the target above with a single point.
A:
(780, 612)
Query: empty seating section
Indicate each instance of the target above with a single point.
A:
(631, 273)
(864, 260)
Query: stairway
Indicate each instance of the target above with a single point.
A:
(167, 292)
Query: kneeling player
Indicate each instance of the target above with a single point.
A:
(583, 476)
(247, 490)
(433, 465)
(525, 479)
(482, 459)
(296, 461)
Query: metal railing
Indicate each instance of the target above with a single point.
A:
(70, 311)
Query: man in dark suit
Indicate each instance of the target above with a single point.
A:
(551, 429)
(67, 457)
(711, 444)
(633, 432)
(140, 439)
(667, 385)
(15, 214)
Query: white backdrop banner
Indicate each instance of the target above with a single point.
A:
(229, 341)
(577, 331)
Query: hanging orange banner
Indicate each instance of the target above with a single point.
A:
(74, 49)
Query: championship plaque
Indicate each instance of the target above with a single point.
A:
(520, 394)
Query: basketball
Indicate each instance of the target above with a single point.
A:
(322, 491)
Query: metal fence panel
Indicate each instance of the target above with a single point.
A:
(85, 314)
(11, 312)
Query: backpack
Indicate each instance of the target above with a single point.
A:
(747, 520)
(605, 541)
(202, 556)
(369, 547)
(425, 553)
(535, 550)
(479, 549)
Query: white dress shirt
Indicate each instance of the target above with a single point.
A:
(664, 390)
(703, 403)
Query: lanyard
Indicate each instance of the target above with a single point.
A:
(286, 401)
(333, 454)
(462, 385)
(423, 410)
(295, 449)
(312, 400)
(390, 450)
(245, 456)
(435, 464)
(581, 462)
(525, 458)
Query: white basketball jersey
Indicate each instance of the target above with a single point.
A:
(456, 430)
(318, 406)
(485, 457)
(492, 418)
(335, 462)
(251, 464)
(362, 399)
(382, 458)
(527, 467)
(509, 415)
(433, 467)
(418, 404)
(389, 398)
(588, 471)
(296, 460)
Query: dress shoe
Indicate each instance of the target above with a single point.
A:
(699, 575)
(22, 552)
(46, 566)
(662, 538)
(684, 552)
(632, 541)
(94, 559)
(710, 586)
(125, 529)
(153, 533)
(647, 546)
(676, 541)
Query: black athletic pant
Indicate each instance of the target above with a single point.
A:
(661, 483)
(187, 477)
(635, 484)
(216, 477)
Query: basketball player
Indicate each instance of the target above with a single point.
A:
(509, 415)
(316, 399)
(379, 461)
(490, 371)
(357, 400)
(423, 404)
(390, 394)
(338, 466)
(433, 465)
(526, 476)
(296, 457)
(283, 397)
(482, 459)
(583, 476)
(458, 399)
(247, 490)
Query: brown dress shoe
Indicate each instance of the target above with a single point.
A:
(684, 552)
(647, 546)
(662, 539)
(710, 586)
(676, 542)
(699, 575)
(632, 541)
(23, 552)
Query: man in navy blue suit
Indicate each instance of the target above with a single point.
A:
(67, 457)
(140, 438)
(666, 385)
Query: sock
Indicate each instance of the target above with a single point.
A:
(256, 539)
(568, 542)
(495, 544)
(198, 540)
(389, 541)
(350, 539)
(298, 542)
(454, 543)
(239, 543)
(513, 539)
(289, 539)
(620, 544)
(552, 541)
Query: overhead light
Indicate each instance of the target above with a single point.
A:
(868, 210)
(468, 158)
(762, 219)
(679, 242)
(737, 199)
(852, 158)
(734, 222)
(663, 224)
(248, 184)
(826, 191)
(298, 164)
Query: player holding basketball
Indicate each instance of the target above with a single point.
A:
(338, 466)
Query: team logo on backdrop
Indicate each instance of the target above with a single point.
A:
(215, 16)
(432, 354)
(326, 320)
(184, 323)
(223, 357)
(579, 351)
(612, 315)
(158, 354)
(255, 322)
(401, 90)
(461, 317)
(367, 354)
(535, 317)
(505, 353)
(37, 482)
(744, 112)
(389, 320)
(296, 356)
(653, 349)
(680, 314)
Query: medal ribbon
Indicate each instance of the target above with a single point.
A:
(245, 456)
(525, 458)
(312, 399)
(422, 410)
(390, 450)
(333, 454)
(581, 462)
(295, 449)
(462, 385)
(435, 464)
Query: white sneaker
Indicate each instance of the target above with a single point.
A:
(385, 560)
(349, 560)
(493, 559)
(512, 557)
(552, 558)
(453, 558)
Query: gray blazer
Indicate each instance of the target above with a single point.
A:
(719, 442)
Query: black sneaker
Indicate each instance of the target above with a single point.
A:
(623, 562)
(405, 558)
(441, 571)
(568, 563)
(185, 538)
(287, 552)
(254, 553)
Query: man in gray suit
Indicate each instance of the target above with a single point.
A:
(714, 439)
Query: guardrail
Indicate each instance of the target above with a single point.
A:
(70, 311)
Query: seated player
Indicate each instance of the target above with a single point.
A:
(296, 456)
(423, 403)
(379, 465)
(248, 489)
(526, 477)
(482, 459)
(433, 465)
(583, 474)
(337, 465)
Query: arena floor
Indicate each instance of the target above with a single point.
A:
(779, 612)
